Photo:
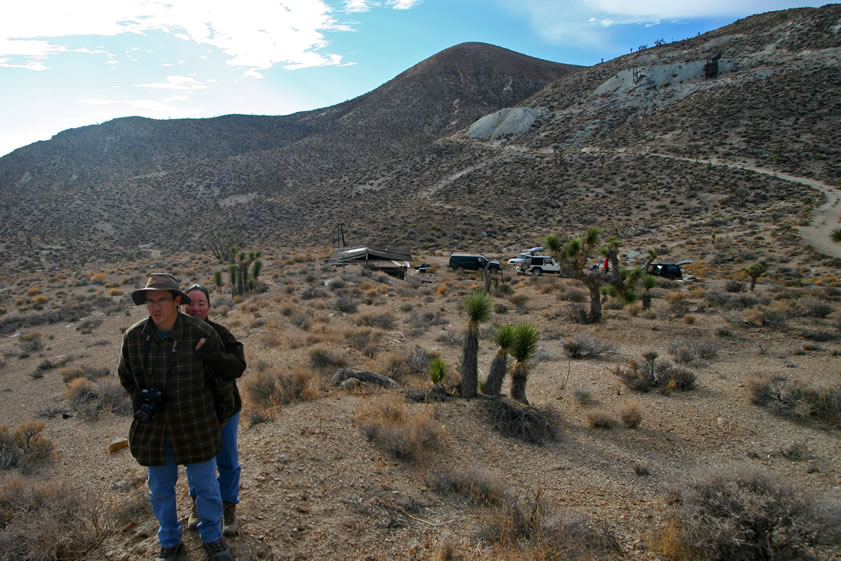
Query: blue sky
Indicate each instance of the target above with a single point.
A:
(66, 64)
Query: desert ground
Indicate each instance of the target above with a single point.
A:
(319, 482)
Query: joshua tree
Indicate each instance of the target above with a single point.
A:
(574, 257)
(504, 337)
(648, 282)
(523, 348)
(477, 306)
(217, 278)
(836, 235)
(755, 271)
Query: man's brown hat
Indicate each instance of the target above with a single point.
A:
(159, 281)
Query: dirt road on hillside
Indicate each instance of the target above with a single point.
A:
(825, 218)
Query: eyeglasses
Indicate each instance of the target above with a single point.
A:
(160, 302)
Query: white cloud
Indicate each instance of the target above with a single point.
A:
(256, 36)
(357, 6)
(403, 4)
(176, 83)
(583, 22)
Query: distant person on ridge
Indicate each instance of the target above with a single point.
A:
(229, 363)
(163, 368)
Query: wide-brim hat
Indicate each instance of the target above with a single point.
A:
(159, 281)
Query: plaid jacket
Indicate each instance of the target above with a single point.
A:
(187, 413)
(225, 365)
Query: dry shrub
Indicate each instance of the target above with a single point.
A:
(89, 372)
(406, 435)
(24, 447)
(365, 340)
(634, 308)
(538, 530)
(476, 486)
(98, 278)
(95, 398)
(519, 300)
(39, 299)
(115, 292)
(441, 290)
(384, 321)
(527, 423)
(743, 514)
(32, 291)
(811, 308)
(630, 414)
(693, 350)
(798, 400)
(651, 374)
(48, 521)
(601, 419)
(774, 317)
(587, 346)
(273, 387)
(30, 342)
(324, 358)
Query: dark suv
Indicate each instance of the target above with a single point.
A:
(471, 262)
(665, 270)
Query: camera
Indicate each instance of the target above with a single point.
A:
(151, 398)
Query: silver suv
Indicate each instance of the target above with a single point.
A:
(539, 264)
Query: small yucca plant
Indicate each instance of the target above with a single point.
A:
(437, 370)
(523, 349)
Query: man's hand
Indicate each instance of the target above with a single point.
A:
(206, 346)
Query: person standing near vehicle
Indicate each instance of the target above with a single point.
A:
(228, 363)
(162, 368)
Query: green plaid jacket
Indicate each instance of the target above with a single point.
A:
(188, 411)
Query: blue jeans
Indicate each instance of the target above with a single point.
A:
(202, 478)
(227, 462)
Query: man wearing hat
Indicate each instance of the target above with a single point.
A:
(175, 423)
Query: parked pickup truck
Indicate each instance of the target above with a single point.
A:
(538, 265)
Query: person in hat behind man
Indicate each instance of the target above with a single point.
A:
(162, 367)
(229, 362)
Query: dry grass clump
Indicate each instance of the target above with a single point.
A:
(401, 366)
(744, 514)
(476, 486)
(406, 435)
(587, 346)
(601, 419)
(94, 398)
(385, 321)
(773, 317)
(630, 415)
(537, 530)
(527, 423)
(693, 350)
(651, 374)
(30, 342)
(798, 400)
(271, 387)
(324, 358)
(48, 521)
(24, 447)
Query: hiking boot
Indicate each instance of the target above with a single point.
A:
(230, 525)
(168, 553)
(219, 551)
(193, 521)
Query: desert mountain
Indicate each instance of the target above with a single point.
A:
(673, 134)
(122, 181)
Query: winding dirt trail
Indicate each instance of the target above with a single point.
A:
(825, 218)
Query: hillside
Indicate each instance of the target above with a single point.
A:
(102, 185)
